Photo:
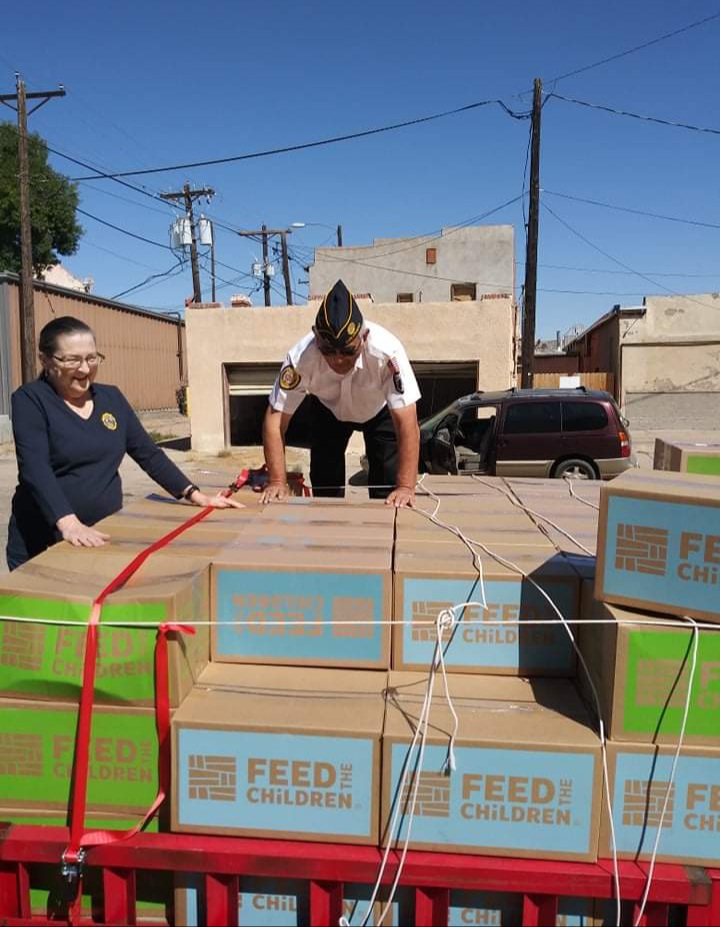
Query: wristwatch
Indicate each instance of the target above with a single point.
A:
(189, 491)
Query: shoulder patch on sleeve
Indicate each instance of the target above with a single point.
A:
(289, 377)
(396, 378)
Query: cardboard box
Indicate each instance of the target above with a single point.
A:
(340, 533)
(313, 605)
(131, 537)
(528, 771)
(267, 902)
(687, 457)
(429, 579)
(45, 661)
(335, 511)
(639, 779)
(504, 909)
(461, 485)
(166, 509)
(280, 752)
(659, 543)
(38, 746)
(641, 670)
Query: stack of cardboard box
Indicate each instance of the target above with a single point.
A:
(293, 713)
(296, 728)
(658, 571)
(41, 663)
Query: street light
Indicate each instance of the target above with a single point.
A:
(337, 229)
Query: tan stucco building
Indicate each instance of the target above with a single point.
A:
(234, 355)
(665, 356)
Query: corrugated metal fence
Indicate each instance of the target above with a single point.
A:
(145, 352)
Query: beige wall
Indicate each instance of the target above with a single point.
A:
(674, 347)
(484, 255)
(479, 331)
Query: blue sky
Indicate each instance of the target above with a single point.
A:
(158, 83)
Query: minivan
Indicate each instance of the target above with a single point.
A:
(572, 433)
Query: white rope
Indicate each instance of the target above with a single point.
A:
(669, 622)
(673, 769)
(420, 734)
(595, 695)
(569, 483)
(518, 503)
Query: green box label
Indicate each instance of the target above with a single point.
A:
(704, 463)
(37, 749)
(46, 660)
(656, 680)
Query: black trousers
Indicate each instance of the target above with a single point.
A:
(329, 439)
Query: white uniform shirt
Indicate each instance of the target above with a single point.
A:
(382, 375)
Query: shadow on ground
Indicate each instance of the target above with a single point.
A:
(175, 444)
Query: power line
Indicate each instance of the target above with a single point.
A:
(301, 147)
(147, 280)
(118, 228)
(637, 212)
(601, 270)
(100, 175)
(615, 260)
(636, 48)
(640, 116)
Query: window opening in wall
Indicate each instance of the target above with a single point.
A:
(405, 298)
(431, 255)
(463, 292)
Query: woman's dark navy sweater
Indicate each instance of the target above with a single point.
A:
(69, 465)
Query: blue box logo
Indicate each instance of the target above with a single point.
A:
(267, 902)
(475, 645)
(692, 820)
(323, 619)
(501, 800)
(285, 783)
(663, 553)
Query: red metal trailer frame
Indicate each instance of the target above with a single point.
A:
(222, 862)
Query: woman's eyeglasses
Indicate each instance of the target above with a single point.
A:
(74, 363)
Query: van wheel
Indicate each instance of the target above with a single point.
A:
(575, 469)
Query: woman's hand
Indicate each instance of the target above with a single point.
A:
(79, 535)
(218, 501)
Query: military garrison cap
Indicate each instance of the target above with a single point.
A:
(339, 319)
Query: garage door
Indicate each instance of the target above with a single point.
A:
(441, 382)
(249, 386)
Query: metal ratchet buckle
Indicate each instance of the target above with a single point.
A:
(71, 870)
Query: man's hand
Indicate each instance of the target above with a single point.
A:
(401, 497)
(276, 491)
(79, 535)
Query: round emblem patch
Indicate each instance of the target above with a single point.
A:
(352, 329)
(109, 421)
(289, 377)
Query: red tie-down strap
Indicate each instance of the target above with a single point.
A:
(74, 854)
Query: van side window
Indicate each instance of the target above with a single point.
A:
(524, 418)
(584, 416)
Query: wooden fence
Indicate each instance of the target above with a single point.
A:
(604, 381)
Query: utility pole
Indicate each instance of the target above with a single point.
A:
(530, 300)
(28, 348)
(266, 276)
(286, 268)
(188, 196)
(339, 236)
(264, 234)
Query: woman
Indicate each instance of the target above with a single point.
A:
(70, 438)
